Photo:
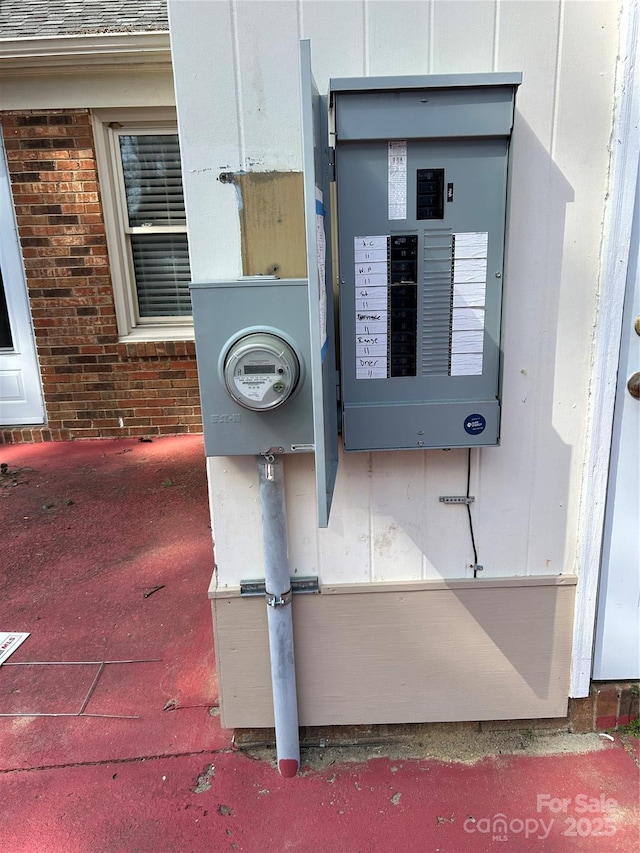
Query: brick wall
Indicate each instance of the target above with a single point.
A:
(94, 386)
(609, 705)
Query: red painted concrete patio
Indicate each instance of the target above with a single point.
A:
(106, 556)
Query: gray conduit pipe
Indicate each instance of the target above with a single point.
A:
(279, 617)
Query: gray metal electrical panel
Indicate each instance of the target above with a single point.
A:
(421, 169)
(254, 365)
(421, 172)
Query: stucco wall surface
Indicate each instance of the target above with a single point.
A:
(236, 73)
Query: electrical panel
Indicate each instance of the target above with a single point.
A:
(421, 171)
(421, 176)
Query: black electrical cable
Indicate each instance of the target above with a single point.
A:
(473, 538)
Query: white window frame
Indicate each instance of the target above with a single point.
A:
(108, 125)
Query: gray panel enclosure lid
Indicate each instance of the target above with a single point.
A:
(424, 81)
(424, 107)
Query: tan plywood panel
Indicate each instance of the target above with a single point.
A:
(448, 653)
(272, 224)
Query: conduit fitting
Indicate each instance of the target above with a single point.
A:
(279, 600)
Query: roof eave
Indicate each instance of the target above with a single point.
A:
(66, 53)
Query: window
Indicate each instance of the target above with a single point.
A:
(141, 184)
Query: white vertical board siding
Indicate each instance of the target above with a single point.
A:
(538, 204)
(580, 150)
(203, 51)
(463, 36)
(237, 94)
(337, 33)
(267, 84)
(615, 260)
(386, 30)
(509, 474)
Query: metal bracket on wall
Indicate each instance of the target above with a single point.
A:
(331, 165)
(279, 600)
(309, 585)
(456, 499)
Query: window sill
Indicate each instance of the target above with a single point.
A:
(152, 334)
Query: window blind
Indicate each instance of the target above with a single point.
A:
(155, 200)
(161, 266)
(152, 179)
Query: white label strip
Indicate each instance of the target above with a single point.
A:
(374, 274)
(470, 252)
(468, 319)
(370, 243)
(9, 642)
(371, 280)
(473, 244)
(367, 326)
(466, 364)
(397, 158)
(467, 342)
(469, 294)
(366, 350)
(372, 292)
(369, 304)
(368, 255)
(372, 268)
(371, 368)
(469, 269)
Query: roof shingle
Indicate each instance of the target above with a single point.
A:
(37, 18)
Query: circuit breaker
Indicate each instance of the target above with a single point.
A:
(421, 170)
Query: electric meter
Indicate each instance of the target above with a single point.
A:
(261, 371)
(254, 365)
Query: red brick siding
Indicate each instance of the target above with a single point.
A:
(92, 383)
(609, 705)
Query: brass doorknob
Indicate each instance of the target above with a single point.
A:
(633, 385)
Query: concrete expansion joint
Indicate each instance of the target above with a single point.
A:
(108, 762)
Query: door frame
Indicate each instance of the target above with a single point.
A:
(614, 263)
(28, 410)
(618, 592)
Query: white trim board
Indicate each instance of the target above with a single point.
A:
(625, 156)
(40, 55)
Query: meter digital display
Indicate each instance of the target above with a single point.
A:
(261, 371)
(259, 368)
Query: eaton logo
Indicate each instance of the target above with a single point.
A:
(226, 419)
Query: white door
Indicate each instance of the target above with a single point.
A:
(20, 387)
(617, 647)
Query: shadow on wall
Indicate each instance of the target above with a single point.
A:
(522, 487)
